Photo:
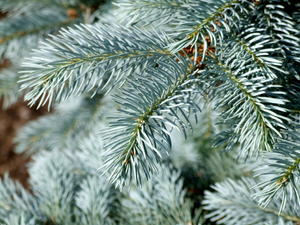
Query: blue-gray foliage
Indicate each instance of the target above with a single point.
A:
(227, 70)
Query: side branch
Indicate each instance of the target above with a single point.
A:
(20, 34)
(139, 137)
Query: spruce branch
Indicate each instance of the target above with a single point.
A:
(279, 172)
(14, 199)
(20, 219)
(216, 18)
(139, 137)
(232, 203)
(8, 86)
(258, 51)
(160, 201)
(55, 178)
(152, 12)
(250, 103)
(281, 27)
(17, 5)
(95, 201)
(296, 15)
(189, 23)
(68, 192)
(87, 57)
(19, 33)
(237, 52)
(14, 6)
(63, 129)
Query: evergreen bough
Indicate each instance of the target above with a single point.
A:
(126, 79)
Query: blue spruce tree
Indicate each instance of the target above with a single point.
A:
(165, 112)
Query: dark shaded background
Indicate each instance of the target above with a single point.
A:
(11, 120)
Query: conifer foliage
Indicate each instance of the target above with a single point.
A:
(164, 111)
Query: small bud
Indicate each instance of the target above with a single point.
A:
(72, 13)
